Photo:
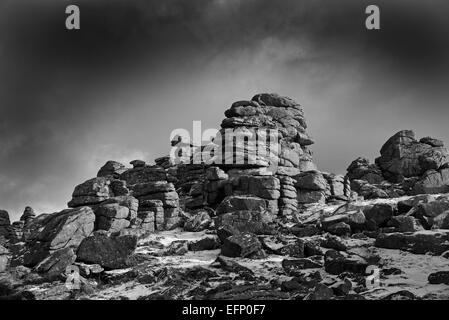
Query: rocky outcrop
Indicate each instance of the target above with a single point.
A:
(402, 156)
(309, 233)
(405, 166)
(260, 174)
(124, 198)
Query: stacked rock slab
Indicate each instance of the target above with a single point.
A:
(190, 179)
(311, 187)
(405, 166)
(28, 215)
(268, 121)
(129, 198)
(402, 156)
(4, 225)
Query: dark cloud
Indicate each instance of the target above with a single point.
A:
(70, 100)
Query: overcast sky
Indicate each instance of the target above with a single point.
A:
(71, 100)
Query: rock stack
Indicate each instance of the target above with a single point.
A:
(4, 225)
(405, 166)
(28, 215)
(261, 150)
(270, 121)
(129, 198)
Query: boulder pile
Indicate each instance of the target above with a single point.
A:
(139, 197)
(406, 166)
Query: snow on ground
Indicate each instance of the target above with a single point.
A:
(416, 269)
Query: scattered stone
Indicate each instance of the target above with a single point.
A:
(229, 265)
(321, 292)
(241, 245)
(380, 213)
(208, 243)
(405, 224)
(176, 248)
(434, 242)
(56, 264)
(199, 221)
(304, 231)
(336, 262)
(292, 267)
(89, 270)
(340, 229)
(439, 277)
(342, 287)
(333, 242)
(401, 295)
(354, 218)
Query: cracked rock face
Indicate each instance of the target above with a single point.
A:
(405, 166)
(65, 229)
(110, 252)
(403, 155)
